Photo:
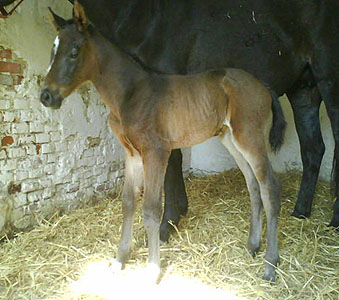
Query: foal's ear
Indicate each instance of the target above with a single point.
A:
(79, 16)
(57, 21)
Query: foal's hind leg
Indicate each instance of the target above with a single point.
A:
(131, 191)
(252, 147)
(253, 243)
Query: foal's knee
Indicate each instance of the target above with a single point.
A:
(128, 199)
(128, 206)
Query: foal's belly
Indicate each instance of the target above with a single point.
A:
(189, 128)
(190, 140)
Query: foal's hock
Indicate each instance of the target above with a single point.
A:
(151, 114)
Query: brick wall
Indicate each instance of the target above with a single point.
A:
(50, 160)
(10, 70)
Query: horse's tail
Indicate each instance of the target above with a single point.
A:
(277, 132)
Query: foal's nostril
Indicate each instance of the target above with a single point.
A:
(46, 98)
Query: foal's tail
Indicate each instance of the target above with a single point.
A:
(277, 132)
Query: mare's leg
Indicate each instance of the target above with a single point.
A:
(254, 151)
(325, 67)
(155, 162)
(132, 188)
(330, 90)
(253, 243)
(175, 195)
(305, 103)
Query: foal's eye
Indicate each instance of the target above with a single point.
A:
(74, 53)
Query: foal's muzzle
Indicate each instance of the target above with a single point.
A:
(48, 99)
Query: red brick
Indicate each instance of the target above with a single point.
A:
(7, 140)
(10, 67)
(6, 53)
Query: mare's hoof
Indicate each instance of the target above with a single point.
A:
(334, 223)
(166, 228)
(300, 215)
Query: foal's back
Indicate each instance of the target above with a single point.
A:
(185, 110)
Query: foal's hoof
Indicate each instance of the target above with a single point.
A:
(116, 266)
(152, 273)
(253, 253)
(269, 276)
(253, 249)
(270, 271)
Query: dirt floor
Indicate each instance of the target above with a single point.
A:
(69, 256)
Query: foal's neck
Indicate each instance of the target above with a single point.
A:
(117, 72)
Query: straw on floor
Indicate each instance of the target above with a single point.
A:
(69, 256)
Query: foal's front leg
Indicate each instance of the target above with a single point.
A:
(155, 163)
(131, 191)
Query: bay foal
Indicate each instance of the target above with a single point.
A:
(152, 114)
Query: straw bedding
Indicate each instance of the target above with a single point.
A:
(68, 257)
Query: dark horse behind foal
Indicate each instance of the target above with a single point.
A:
(290, 45)
(152, 114)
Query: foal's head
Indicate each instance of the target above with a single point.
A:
(71, 60)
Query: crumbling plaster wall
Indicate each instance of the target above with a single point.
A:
(49, 159)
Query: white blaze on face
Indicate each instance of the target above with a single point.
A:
(55, 49)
